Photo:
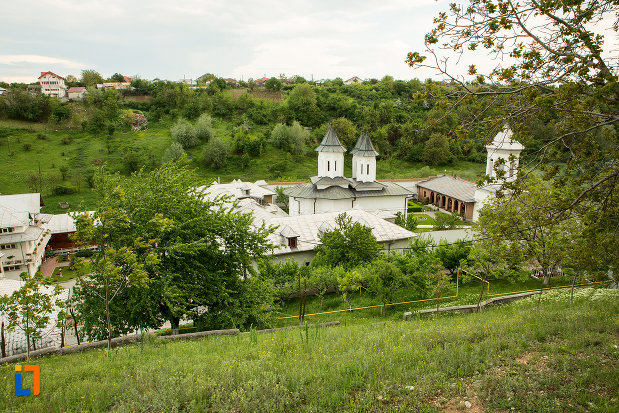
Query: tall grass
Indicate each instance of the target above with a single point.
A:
(554, 358)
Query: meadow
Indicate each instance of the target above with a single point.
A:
(517, 357)
(27, 148)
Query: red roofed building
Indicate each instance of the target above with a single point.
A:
(262, 80)
(52, 85)
(127, 79)
(76, 93)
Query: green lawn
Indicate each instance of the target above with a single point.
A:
(67, 274)
(515, 357)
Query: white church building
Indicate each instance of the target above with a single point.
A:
(331, 191)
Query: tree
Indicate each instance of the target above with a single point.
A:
(410, 222)
(554, 67)
(91, 78)
(201, 261)
(438, 282)
(273, 84)
(29, 308)
(436, 150)
(530, 228)
(117, 77)
(204, 127)
(446, 221)
(349, 244)
(452, 254)
(184, 133)
(174, 152)
(216, 153)
(302, 103)
(346, 131)
(290, 138)
(323, 279)
(384, 279)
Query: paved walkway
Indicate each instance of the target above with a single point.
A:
(48, 266)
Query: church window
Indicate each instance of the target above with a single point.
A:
(328, 165)
(368, 169)
(335, 166)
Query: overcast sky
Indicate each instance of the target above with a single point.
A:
(171, 39)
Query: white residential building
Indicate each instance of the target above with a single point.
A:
(23, 235)
(331, 191)
(77, 93)
(238, 189)
(52, 85)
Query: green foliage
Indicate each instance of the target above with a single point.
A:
(446, 221)
(91, 78)
(283, 275)
(302, 103)
(204, 127)
(20, 104)
(29, 308)
(384, 279)
(290, 138)
(349, 244)
(216, 153)
(117, 77)
(453, 254)
(282, 198)
(346, 131)
(323, 279)
(410, 223)
(184, 133)
(173, 153)
(273, 84)
(436, 150)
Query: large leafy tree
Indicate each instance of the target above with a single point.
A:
(197, 254)
(554, 68)
(348, 244)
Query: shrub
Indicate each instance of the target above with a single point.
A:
(27, 147)
(446, 221)
(290, 138)
(63, 190)
(183, 133)
(216, 153)
(173, 153)
(204, 127)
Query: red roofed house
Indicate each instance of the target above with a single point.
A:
(231, 81)
(262, 80)
(127, 79)
(52, 85)
(77, 93)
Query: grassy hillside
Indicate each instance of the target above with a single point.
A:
(516, 357)
(27, 147)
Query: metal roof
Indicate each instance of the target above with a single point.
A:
(310, 191)
(11, 218)
(330, 143)
(451, 186)
(23, 202)
(30, 234)
(364, 146)
(310, 226)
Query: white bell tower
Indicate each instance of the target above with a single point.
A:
(504, 147)
(330, 156)
(364, 160)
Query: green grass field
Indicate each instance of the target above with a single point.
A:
(516, 357)
(27, 148)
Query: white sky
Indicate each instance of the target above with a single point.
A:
(170, 39)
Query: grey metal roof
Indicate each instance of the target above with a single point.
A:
(504, 140)
(367, 186)
(330, 143)
(325, 181)
(11, 218)
(364, 146)
(23, 202)
(309, 191)
(30, 234)
(451, 186)
(288, 232)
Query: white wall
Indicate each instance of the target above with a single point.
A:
(391, 204)
(510, 166)
(360, 168)
(330, 164)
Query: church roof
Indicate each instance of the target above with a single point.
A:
(310, 191)
(504, 140)
(451, 186)
(330, 143)
(364, 146)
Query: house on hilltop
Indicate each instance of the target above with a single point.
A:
(331, 191)
(53, 85)
(76, 93)
(353, 81)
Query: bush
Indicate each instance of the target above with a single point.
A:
(446, 221)
(27, 147)
(414, 207)
(183, 133)
(216, 153)
(290, 138)
(204, 127)
(173, 153)
(63, 190)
